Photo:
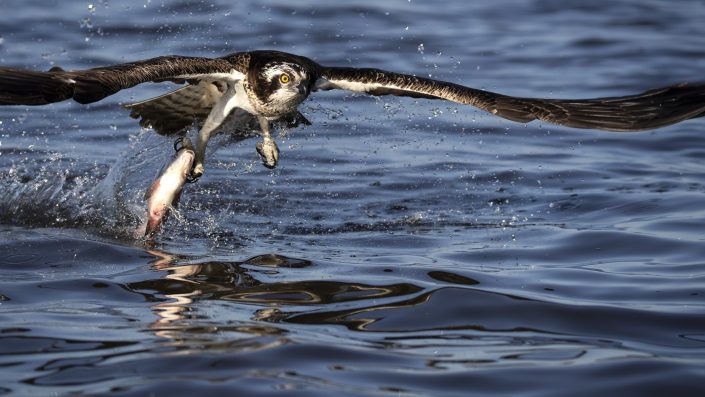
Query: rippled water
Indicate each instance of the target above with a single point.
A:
(402, 247)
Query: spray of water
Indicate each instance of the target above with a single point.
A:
(52, 190)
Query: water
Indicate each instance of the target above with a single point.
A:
(402, 247)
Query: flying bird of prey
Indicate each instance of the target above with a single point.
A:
(270, 85)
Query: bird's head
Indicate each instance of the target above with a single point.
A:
(280, 82)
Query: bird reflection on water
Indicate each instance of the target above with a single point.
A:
(185, 285)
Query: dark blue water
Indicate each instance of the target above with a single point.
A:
(402, 247)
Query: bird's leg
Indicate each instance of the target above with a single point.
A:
(215, 118)
(204, 135)
(267, 149)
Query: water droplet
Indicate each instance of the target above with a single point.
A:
(91, 8)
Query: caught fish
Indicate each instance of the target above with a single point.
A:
(165, 191)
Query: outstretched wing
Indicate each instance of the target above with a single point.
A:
(651, 109)
(23, 87)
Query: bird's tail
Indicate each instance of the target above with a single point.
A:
(26, 87)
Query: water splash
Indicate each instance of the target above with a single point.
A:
(52, 190)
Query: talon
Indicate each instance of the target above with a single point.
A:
(195, 174)
(178, 144)
(192, 178)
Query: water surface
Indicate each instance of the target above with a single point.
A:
(402, 247)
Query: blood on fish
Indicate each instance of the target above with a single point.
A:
(165, 191)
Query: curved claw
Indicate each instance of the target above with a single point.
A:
(195, 174)
(179, 144)
(192, 178)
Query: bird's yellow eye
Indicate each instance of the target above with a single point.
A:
(284, 78)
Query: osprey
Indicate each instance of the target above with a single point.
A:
(270, 85)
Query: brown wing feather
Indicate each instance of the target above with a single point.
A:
(175, 111)
(25, 87)
(21, 87)
(651, 109)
